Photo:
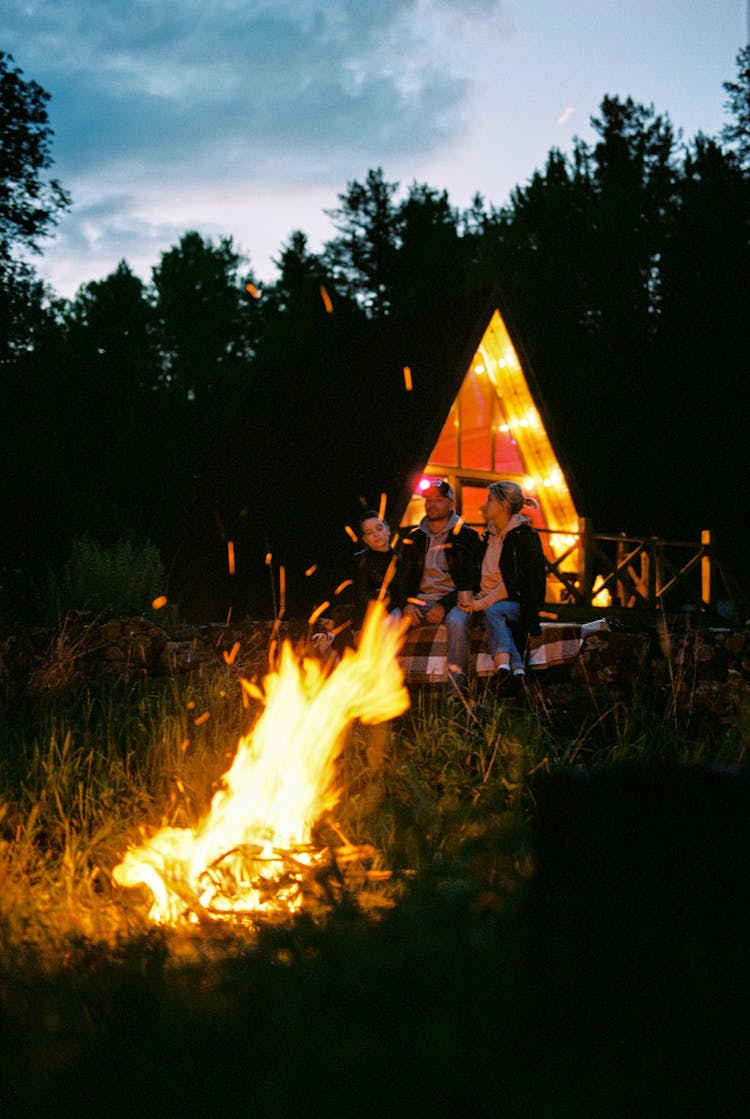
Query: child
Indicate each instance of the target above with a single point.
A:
(376, 572)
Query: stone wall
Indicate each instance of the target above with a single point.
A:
(699, 668)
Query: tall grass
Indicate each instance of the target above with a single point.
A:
(81, 772)
(357, 1013)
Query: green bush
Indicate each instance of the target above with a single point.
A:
(111, 582)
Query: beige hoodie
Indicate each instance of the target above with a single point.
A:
(492, 586)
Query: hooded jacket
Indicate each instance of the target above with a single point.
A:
(524, 573)
(461, 556)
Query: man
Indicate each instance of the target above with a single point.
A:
(440, 557)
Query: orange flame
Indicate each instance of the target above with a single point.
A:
(407, 379)
(247, 856)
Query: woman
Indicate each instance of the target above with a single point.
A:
(512, 582)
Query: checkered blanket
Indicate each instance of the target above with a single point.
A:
(424, 654)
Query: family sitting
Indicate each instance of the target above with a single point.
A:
(444, 573)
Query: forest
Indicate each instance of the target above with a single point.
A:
(151, 412)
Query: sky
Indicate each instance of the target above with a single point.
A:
(248, 118)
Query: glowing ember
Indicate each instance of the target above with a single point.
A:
(327, 302)
(250, 853)
(317, 612)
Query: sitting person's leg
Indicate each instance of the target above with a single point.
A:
(458, 625)
(502, 647)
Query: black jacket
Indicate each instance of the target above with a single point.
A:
(462, 557)
(524, 573)
(370, 569)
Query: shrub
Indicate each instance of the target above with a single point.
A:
(111, 582)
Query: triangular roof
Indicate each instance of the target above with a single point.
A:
(498, 425)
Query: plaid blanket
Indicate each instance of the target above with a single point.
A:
(424, 653)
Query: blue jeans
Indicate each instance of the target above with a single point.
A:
(499, 635)
(458, 624)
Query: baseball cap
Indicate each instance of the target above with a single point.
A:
(443, 488)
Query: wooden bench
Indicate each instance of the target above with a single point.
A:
(424, 661)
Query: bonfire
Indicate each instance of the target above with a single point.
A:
(253, 851)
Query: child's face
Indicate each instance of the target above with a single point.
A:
(376, 534)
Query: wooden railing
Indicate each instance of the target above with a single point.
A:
(598, 570)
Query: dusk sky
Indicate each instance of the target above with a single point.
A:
(247, 118)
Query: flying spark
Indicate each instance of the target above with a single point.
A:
(326, 299)
(317, 612)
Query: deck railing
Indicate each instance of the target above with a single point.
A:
(599, 570)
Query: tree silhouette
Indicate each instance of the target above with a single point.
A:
(29, 204)
(737, 133)
(110, 401)
(204, 325)
(363, 259)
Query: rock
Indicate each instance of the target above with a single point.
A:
(611, 657)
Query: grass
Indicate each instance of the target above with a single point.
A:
(529, 955)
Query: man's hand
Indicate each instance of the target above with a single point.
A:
(435, 614)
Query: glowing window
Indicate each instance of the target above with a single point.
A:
(475, 403)
(507, 456)
(471, 498)
(446, 448)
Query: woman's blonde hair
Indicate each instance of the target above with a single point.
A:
(511, 494)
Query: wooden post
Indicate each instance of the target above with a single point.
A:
(588, 561)
(653, 574)
(645, 587)
(706, 566)
(622, 594)
(658, 570)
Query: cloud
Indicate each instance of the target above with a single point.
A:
(236, 85)
(171, 114)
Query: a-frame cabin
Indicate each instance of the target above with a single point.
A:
(497, 427)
